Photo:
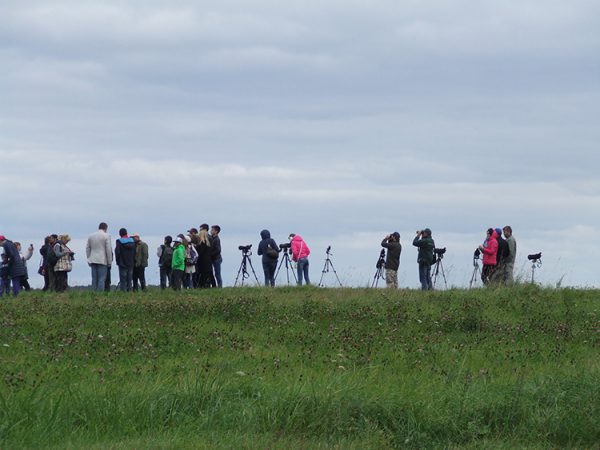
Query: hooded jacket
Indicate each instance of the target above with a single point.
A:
(299, 248)
(125, 252)
(426, 245)
(264, 244)
(490, 249)
(178, 261)
(16, 268)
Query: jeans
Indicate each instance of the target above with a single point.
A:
(217, 268)
(99, 272)
(165, 276)
(61, 280)
(125, 278)
(303, 269)
(269, 268)
(4, 286)
(425, 276)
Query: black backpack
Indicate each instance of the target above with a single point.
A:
(166, 257)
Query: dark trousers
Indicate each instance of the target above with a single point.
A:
(165, 276)
(176, 279)
(108, 281)
(139, 276)
(217, 271)
(24, 282)
(487, 273)
(46, 279)
(51, 279)
(269, 268)
(61, 281)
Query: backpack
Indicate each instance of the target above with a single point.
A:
(271, 252)
(166, 257)
(51, 258)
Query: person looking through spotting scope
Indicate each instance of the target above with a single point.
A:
(300, 252)
(489, 248)
(392, 243)
(425, 244)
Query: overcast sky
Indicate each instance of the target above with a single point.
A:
(340, 121)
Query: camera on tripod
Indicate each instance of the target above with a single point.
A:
(245, 248)
(285, 246)
(534, 257)
(476, 254)
(381, 260)
(439, 252)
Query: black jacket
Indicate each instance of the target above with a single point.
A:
(503, 251)
(264, 244)
(125, 252)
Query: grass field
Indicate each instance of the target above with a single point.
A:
(301, 368)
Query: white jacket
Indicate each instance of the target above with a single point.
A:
(98, 249)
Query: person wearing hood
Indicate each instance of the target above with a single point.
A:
(300, 252)
(125, 258)
(270, 254)
(15, 269)
(425, 243)
(501, 257)
(489, 248)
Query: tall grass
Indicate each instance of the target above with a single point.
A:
(301, 368)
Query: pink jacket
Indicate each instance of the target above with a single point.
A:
(490, 248)
(299, 248)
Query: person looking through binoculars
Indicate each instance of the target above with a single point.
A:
(424, 242)
(392, 243)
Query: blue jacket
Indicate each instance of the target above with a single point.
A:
(263, 245)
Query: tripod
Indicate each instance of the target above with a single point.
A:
(243, 270)
(328, 265)
(288, 265)
(439, 268)
(476, 272)
(379, 272)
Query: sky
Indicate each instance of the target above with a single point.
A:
(338, 121)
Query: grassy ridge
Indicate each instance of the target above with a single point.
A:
(301, 368)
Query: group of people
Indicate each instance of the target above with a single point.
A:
(498, 257)
(194, 260)
(269, 250)
(190, 260)
(425, 257)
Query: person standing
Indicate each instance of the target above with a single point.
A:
(392, 261)
(501, 256)
(15, 268)
(204, 262)
(489, 248)
(25, 257)
(424, 242)
(178, 264)
(64, 264)
(509, 262)
(300, 252)
(269, 250)
(165, 259)
(141, 262)
(125, 258)
(216, 258)
(50, 260)
(99, 256)
(4, 276)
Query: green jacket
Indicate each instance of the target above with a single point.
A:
(426, 246)
(178, 262)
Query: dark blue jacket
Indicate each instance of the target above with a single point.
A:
(263, 245)
(125, 252)
(16, 268)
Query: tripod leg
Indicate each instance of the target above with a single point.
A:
(240, 271)
(335, 273)
(253, 272)
(325, 269)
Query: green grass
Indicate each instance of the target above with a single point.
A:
(301, 368)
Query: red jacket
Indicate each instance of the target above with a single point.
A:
(299, 248)
(490, 249)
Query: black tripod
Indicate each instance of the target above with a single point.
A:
(379, 272)
(476, 269)
(243, 270)
(329, 265)
(439, 267)
(288, 264)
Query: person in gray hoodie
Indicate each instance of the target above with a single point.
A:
(270, 254)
